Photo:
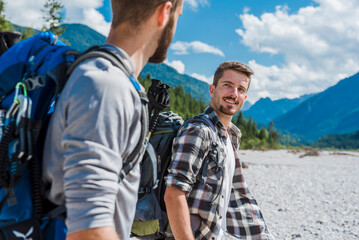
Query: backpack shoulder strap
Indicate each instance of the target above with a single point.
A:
(214, 151)
(202, 119)
(118, 61)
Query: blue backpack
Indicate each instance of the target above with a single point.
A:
(32, 74)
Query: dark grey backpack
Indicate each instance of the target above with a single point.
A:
(151, 220)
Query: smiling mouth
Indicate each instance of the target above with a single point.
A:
(230, 101)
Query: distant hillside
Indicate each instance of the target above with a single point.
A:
(265, 110)
(170, 76)
(340, 141)
(334, 111)
(81, 37)
(20, 28)
(247, 105)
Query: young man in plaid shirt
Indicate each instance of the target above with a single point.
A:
(207, 196)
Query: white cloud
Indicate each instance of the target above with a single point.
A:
(193, 4)
(96, 20)
(28, 13)
(182, 48)
(84, 12)
(83, 3)
(203, 78)
(25, 13)
(319, 45)
(176, 64)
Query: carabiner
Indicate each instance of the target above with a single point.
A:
(17, 89)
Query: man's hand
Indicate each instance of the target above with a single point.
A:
(178, 213)
(101, 233)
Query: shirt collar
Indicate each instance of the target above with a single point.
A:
(234, 133)
(127, 60)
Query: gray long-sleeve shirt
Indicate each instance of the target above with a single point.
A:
(96, 124)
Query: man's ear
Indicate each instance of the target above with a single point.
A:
(211, 89)
(163, 13)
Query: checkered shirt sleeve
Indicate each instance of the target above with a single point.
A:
(189, 149)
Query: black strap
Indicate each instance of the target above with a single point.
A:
(57, 211)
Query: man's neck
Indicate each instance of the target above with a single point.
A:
(225, 119)
(136, 46)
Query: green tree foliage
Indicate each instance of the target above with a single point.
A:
(4, 24)
(180, 102)
(241, 123)
(252, 138)
(27, 32)
(273, 137)
(263, 134)
(339, 141)
(288, 139)
(53, 20)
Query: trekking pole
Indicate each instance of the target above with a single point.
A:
(158, 97)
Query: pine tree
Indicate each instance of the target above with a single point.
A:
(273, 138)
(53, 19)
(26, 33)
(241, 123)
(249, 128)
(253, 129)
(271, 127)
(263, 134)
(4, 25)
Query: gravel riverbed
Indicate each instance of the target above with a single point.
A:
(304, 196)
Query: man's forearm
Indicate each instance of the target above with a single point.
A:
(101, 233)
(178, 214)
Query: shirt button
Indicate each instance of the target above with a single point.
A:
(220, 217)
(213, 238)
(222, 196)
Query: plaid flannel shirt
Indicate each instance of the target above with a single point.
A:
(190, 148)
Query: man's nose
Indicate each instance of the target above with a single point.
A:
(234, 92)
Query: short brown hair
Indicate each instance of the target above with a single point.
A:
(136, 11)
(232, 65)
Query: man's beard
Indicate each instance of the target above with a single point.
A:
(223, 109)
(163, 43)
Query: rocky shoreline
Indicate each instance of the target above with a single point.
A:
(306, 195)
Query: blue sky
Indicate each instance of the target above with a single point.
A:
(295, 47)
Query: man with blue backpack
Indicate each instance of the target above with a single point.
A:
(99, 124)
(89, 150)
(207, 196)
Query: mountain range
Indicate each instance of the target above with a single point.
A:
(81, 37)
(309, 117)
(74, 33)
(333, 111)
(168, 75)
(265, 110)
